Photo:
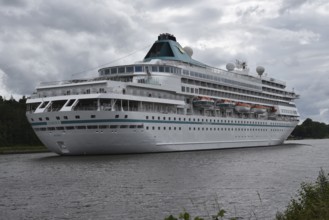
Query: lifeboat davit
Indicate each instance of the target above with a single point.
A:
(242, 107)
(203, 102)
(258, 109)
(226, 104)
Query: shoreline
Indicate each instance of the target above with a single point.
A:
(23, 150)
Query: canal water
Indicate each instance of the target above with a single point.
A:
(250, 183)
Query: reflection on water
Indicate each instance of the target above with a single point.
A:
(152, 186)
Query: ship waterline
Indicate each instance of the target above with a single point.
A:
(165, 103)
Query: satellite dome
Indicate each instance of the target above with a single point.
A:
(189, 51)
(230, 66)
(260, 70)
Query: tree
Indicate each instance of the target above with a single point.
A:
(311, 129)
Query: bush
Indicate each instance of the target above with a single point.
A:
(312, 202)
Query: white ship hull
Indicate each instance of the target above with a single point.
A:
(155, 135)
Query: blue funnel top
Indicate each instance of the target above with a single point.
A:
(167, 48)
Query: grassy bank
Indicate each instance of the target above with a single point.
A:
(22, 149)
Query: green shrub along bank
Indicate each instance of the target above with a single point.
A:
(312, 203)
(14, 127)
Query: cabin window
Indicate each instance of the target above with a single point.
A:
(92, 116)
(103, 126)
(44, 104)
(77, 116)
(70, 102)
(154, 68)
(138, 68)
(129, 69)
(114, 70)
(121, 69)
(80, 127)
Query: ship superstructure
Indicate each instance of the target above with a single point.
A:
(167, 102)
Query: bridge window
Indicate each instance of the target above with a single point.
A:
(129, 69)
(114, 70)
(138, 68)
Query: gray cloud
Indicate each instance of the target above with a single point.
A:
(57, 40)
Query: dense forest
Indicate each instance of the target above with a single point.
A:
(14, 127)
(16, 131)
(311, 129)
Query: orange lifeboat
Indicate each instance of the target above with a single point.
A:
(258, 109)
(224, 103)
(242, 107)
(203, 102)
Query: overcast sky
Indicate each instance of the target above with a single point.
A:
(60, 39)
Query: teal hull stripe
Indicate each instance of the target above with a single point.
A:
(69, 122)
(38, 123)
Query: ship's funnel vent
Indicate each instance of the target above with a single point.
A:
(167, 36)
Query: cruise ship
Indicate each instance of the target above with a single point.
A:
(166, 102)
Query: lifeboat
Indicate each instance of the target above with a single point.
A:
(242, 107)
(226, 104)
(258, 109)
(203, 102)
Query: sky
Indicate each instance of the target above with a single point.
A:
(59, 40)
